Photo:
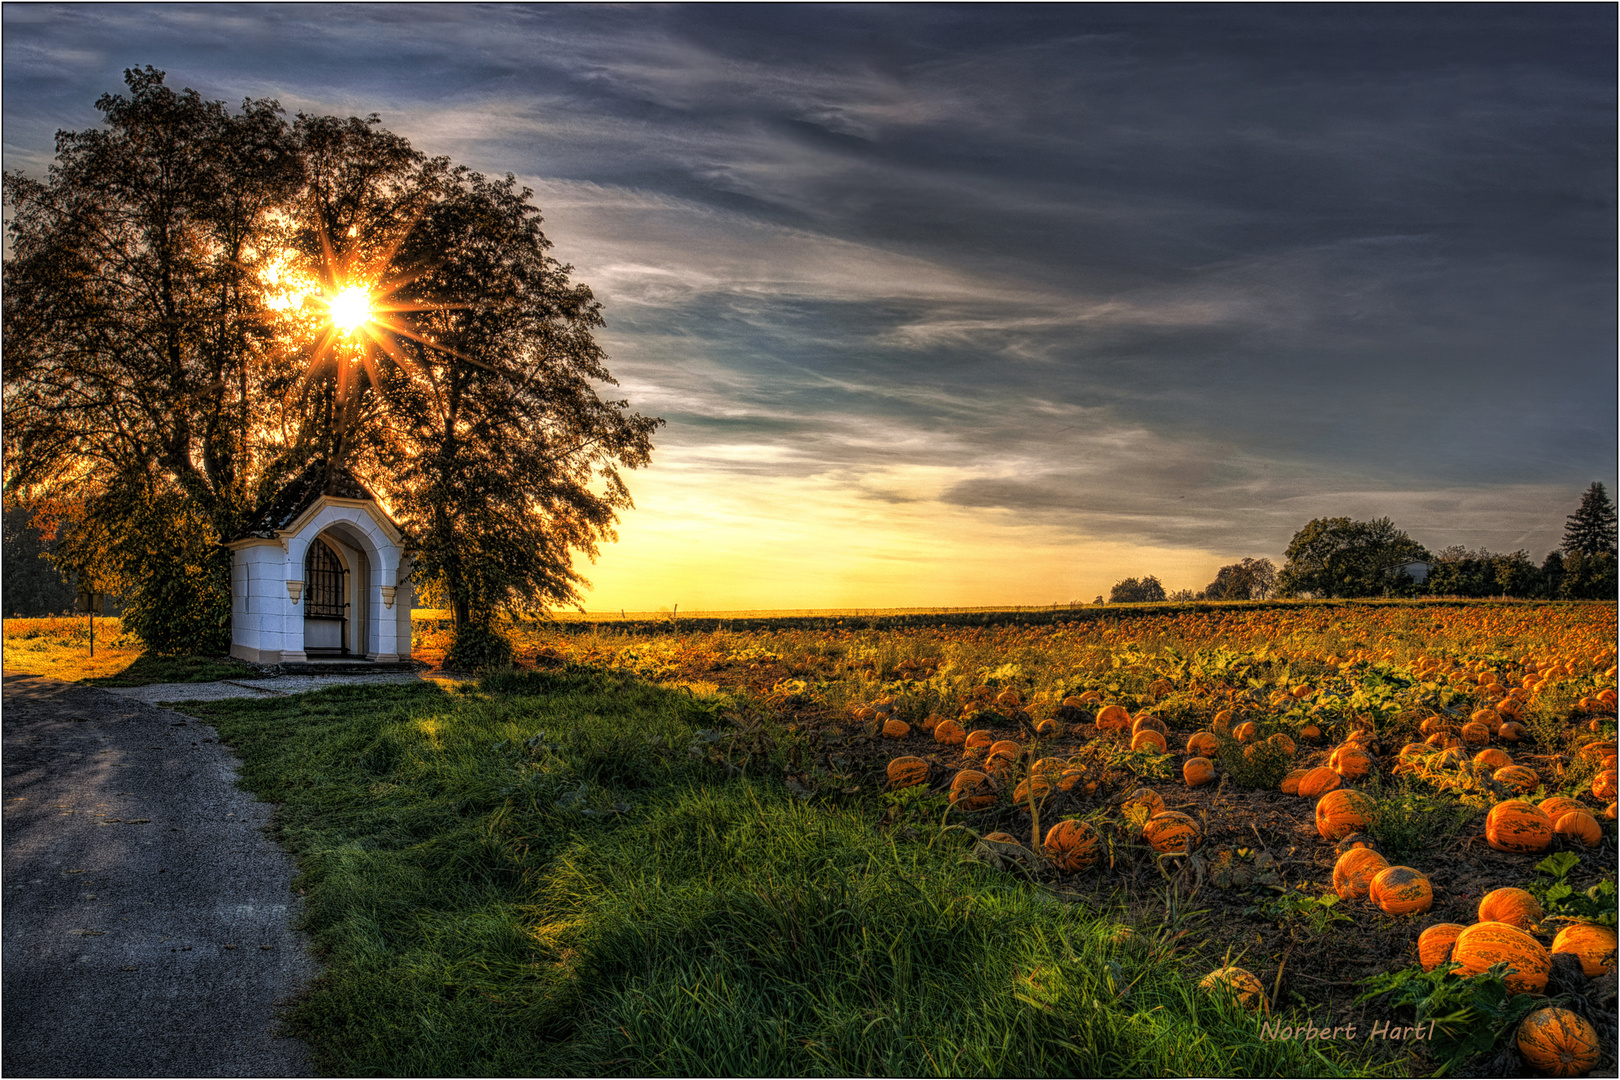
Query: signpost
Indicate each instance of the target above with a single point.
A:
(91, 603)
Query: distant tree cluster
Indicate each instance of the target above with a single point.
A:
(1341, 558)
(1251, 579)
(1338, 557)
(1137, 591)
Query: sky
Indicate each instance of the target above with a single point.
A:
(976, 305)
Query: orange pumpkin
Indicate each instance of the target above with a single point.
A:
(1246, 733)
(1283, 743)
(1236, 983)
(1112, 718)
(896, 729)
(1198, 771)
(972, 790)
(1148, 739)
(1049, 727)
(1400, 890)
(1517, 778)
(1006, 748)
(1492, 759)
(1042, 786)
(1489, 717)
(1049, 767)
(1598, 750)
(1556, 806)
(999, 838)
(1609, 811)
(1519, 827)
(1311, 732)
(1354, 872)
(1148, 722)
(1001, 767)
(1290, 783)
(1202, 744)
(1593, 945)
(1475, 733)
(980, 740)
(1516, 907)
(1606, 784)
(1579, 826)
(1072, 845)
(1558, 1042)
(1145, 798)
(1510, 732)
(1487, 943)
(1070, 777)
(1318, 782)
(1009, 699)
(1350, 762)
(1434, 944)
(1434, 725)
(908, 772)
(1222, 722)
(949, 733)
(1343, 811)
(1171, 832)
(1160, 687)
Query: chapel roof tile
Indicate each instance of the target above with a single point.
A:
(299, 494)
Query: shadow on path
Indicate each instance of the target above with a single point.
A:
(147, 927)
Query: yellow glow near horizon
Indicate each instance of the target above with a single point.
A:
(707, 543)
(350, 309)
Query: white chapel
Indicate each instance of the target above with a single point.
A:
(320, 574)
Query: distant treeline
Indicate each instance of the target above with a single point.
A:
(1341, 558)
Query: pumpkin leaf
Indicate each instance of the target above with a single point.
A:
(1470, 1015)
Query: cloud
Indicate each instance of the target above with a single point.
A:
(1099, 279)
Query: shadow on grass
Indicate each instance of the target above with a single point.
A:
(148, 670)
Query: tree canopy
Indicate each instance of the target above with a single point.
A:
(200, 304)
(1338, 557)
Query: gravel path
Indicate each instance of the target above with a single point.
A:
(147, 915)
(279, 686)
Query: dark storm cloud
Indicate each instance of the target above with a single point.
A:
(1184, 274)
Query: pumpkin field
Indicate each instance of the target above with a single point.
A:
(1364, 814)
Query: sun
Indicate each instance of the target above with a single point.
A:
(350, 309)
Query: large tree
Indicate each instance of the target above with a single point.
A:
(1338, 557)
(1590, 530)
(134, 330)
(199, 305)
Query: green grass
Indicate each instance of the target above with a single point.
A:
(534, 876)
(148, 670)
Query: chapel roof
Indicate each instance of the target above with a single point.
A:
(299, 494)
